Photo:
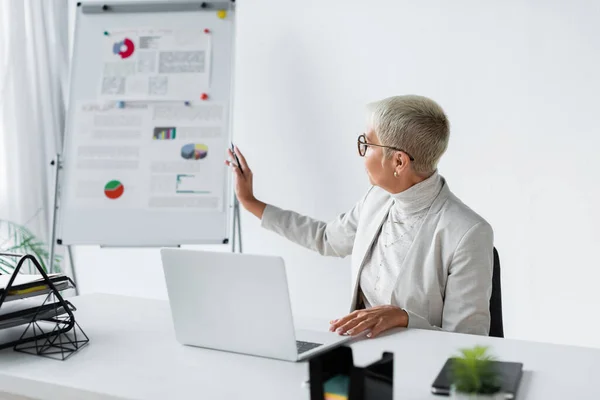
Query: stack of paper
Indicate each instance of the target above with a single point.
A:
(22, 312)
(27, 299)
(31, 285)
(336, 388)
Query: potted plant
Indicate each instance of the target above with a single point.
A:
(15, 238)
(473, 376)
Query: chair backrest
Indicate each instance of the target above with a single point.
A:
(496, 325)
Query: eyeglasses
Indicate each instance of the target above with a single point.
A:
(363, 145)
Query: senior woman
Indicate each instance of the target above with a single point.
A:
(420, 257)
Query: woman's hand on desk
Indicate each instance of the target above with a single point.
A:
(243, 183)
(377, 319)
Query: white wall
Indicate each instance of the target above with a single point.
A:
(518, 80)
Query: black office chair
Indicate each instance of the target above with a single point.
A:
(496, 325)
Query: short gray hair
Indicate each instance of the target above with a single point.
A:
(415, 124)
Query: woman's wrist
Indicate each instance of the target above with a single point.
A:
(402, 318)
(255, 207)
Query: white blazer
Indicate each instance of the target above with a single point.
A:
(445, 281)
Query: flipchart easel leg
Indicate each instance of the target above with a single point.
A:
(236, 240)
(53, 241)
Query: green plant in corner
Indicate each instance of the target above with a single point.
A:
(15, 238)
(473, 372)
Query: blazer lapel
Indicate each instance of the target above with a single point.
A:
(364, 245)
(423, 237)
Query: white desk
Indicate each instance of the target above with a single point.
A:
(133, 355)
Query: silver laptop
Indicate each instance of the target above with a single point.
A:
(238, 303)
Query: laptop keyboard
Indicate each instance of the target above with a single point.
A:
(306, 346)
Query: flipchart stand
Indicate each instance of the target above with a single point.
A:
(162, 9)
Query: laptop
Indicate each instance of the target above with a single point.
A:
(237, 303)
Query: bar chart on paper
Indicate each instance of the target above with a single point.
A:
(165, 133)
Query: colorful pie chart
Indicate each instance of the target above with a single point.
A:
(124, 48)
(194, 151)
(114, 189)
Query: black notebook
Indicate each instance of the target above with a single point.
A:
(509, 372)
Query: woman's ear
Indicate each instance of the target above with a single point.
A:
(399, 161)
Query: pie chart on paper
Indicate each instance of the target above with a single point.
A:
(124, 48)
(194, 151)
(114, 189)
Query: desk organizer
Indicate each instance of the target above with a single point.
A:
(334, 376)
(52, 330)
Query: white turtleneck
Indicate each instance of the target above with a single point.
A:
(381, 269)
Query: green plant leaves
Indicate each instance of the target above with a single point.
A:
(15, 238)
(473, 372)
